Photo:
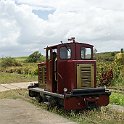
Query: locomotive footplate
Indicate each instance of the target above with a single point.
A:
(76, 99)
(43, 92)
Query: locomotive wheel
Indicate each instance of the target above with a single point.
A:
(51, 102)
(31, 93)
(39, 98)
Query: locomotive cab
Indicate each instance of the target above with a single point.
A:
(68, 77)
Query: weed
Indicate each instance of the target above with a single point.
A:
(117, 98)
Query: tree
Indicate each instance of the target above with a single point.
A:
(34, 57)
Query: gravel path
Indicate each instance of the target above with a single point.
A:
(116, 108)
(21, 112)
(11, 86)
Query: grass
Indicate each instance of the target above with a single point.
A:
(13, 94)
(117, 98)
(105, 116)
(15, 78)
(97, 117)
(21, 59)
(14, 74)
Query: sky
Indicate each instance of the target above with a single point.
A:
(30, 25)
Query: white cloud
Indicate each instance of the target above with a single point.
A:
(93, 21)
(19, 27)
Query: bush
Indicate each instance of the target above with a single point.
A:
(9, 61)
(113, 54)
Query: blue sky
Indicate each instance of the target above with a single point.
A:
(27, 26)
(43, 13)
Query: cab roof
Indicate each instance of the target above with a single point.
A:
(55, 46)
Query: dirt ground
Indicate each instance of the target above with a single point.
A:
(17, 111)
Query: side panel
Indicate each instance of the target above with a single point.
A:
(74, 103)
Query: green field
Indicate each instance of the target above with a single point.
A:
(25, 72)
(16, 78)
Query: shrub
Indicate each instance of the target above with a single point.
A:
(113, 54)
(9, 61)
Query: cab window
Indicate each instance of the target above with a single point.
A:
(48, 55)
(85, 53)
(65, 52)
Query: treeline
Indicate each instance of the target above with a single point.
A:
(11, 61)
(106, 56)
(27, 66)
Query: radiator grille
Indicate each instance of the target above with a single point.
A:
(85, 75)
(41, 74)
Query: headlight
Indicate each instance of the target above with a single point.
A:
(105, 86)
(65, 89)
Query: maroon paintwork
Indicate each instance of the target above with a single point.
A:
(68, 71)
(67, 77)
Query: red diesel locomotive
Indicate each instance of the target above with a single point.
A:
(68, 78)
